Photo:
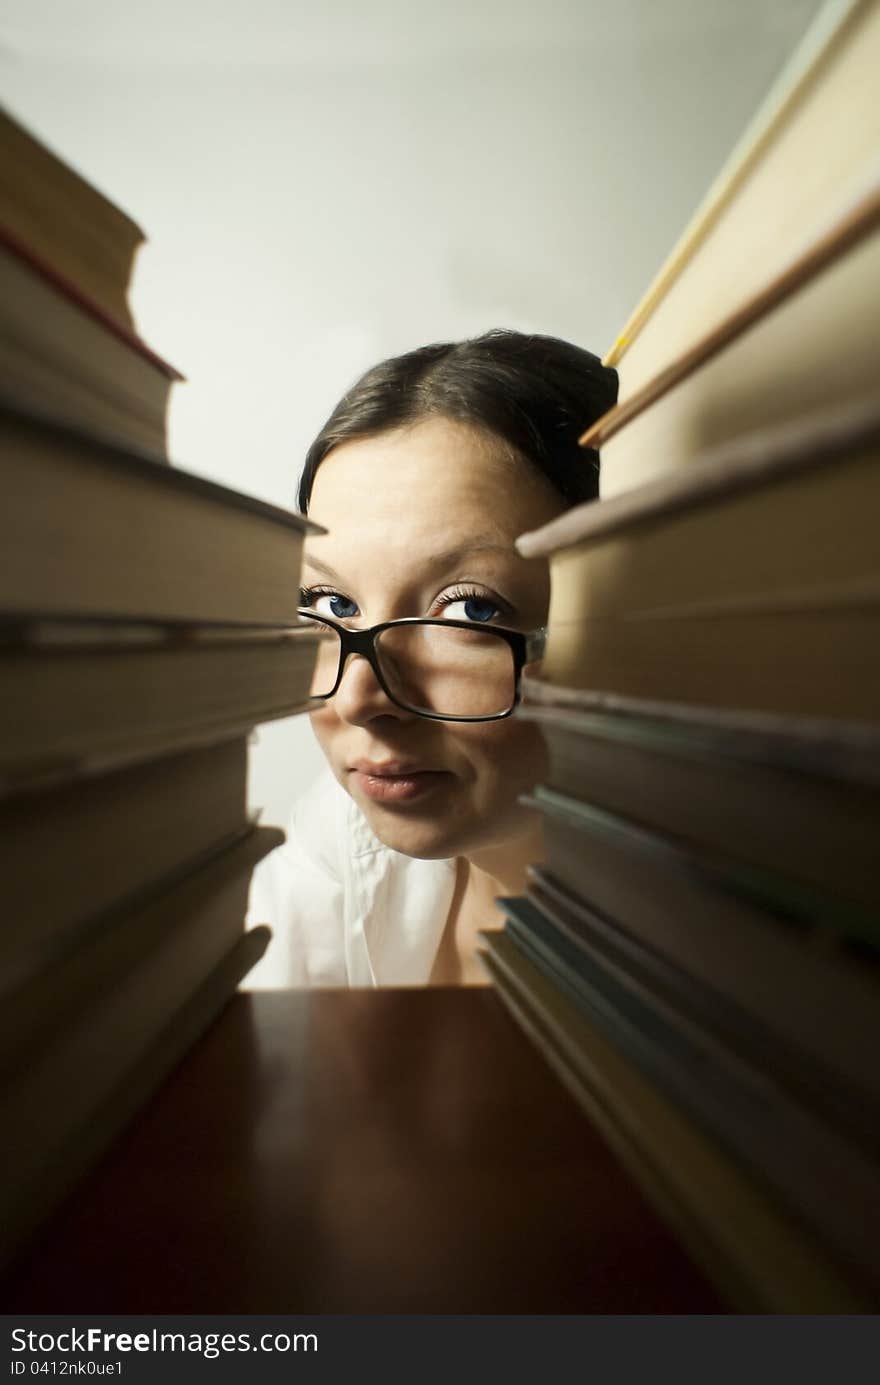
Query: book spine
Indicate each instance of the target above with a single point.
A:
(858, 223)
(690, 915)
(69, 290)
(759, 1258)
(83, 1145)
(779, 1141)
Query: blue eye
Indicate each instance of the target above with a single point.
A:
(328, 603)
(479, 609)
(342, 607)
(475, 608)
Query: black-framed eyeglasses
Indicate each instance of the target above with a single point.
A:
(447, 670)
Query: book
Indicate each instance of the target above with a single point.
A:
(783, 1142)
(757, 944)
(57, 1174)
(819, 280)
(740, 1030)
(65, 221)
(805, 154)
(776, 203)
(62, 354)
(148, 620)
(759, 1257)
(751, 581)
(68, 347)
(69, 1036)
(92, 529)
(697, 954)
(74, 697)
(805, 150)
(791, 794)
(69, 854)
(136, 961)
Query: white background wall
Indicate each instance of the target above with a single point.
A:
(328, 183)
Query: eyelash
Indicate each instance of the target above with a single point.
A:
(465, 593)
(308, 595)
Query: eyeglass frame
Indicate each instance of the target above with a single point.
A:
(524, 647)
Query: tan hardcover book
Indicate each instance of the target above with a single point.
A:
(732, 1090)
(821, 662)
(136, 960)
(789, 795)
(750, 939)
(751, 581)
(759, 1258)
(848, 233)
(79, 698)
(69, 854)
(56, 1174)
(808, 161)
(90, 529)
(62, 354)
(69, 1036)
(803, 155)
(49, 207)
(810, 340)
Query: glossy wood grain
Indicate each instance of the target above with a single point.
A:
(390, 1151)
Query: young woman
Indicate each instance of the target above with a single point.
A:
(423, 477)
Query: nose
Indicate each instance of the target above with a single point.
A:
(360, 697)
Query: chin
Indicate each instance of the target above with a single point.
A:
(449, 834)
(426, 840)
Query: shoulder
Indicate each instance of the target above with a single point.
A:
(298, 890)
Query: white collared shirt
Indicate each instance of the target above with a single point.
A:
(344, 909)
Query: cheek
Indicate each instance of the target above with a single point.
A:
(324, 722)
(507, 757)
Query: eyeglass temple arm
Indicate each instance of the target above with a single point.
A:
(536, 643)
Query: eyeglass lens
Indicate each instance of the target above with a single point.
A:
(435, 668)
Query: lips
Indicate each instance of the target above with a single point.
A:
(388, 769)
(394, 781)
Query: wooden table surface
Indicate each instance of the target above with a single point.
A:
(359, 1152)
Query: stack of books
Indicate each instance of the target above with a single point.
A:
(699, 952)
(68, 343)
(148, 621)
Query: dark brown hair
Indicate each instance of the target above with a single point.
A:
(536, 393)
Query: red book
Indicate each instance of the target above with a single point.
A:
(64, 355)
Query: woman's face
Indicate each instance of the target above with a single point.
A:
(421, 522)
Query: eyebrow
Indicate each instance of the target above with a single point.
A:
(439, 561)
(309, 561)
